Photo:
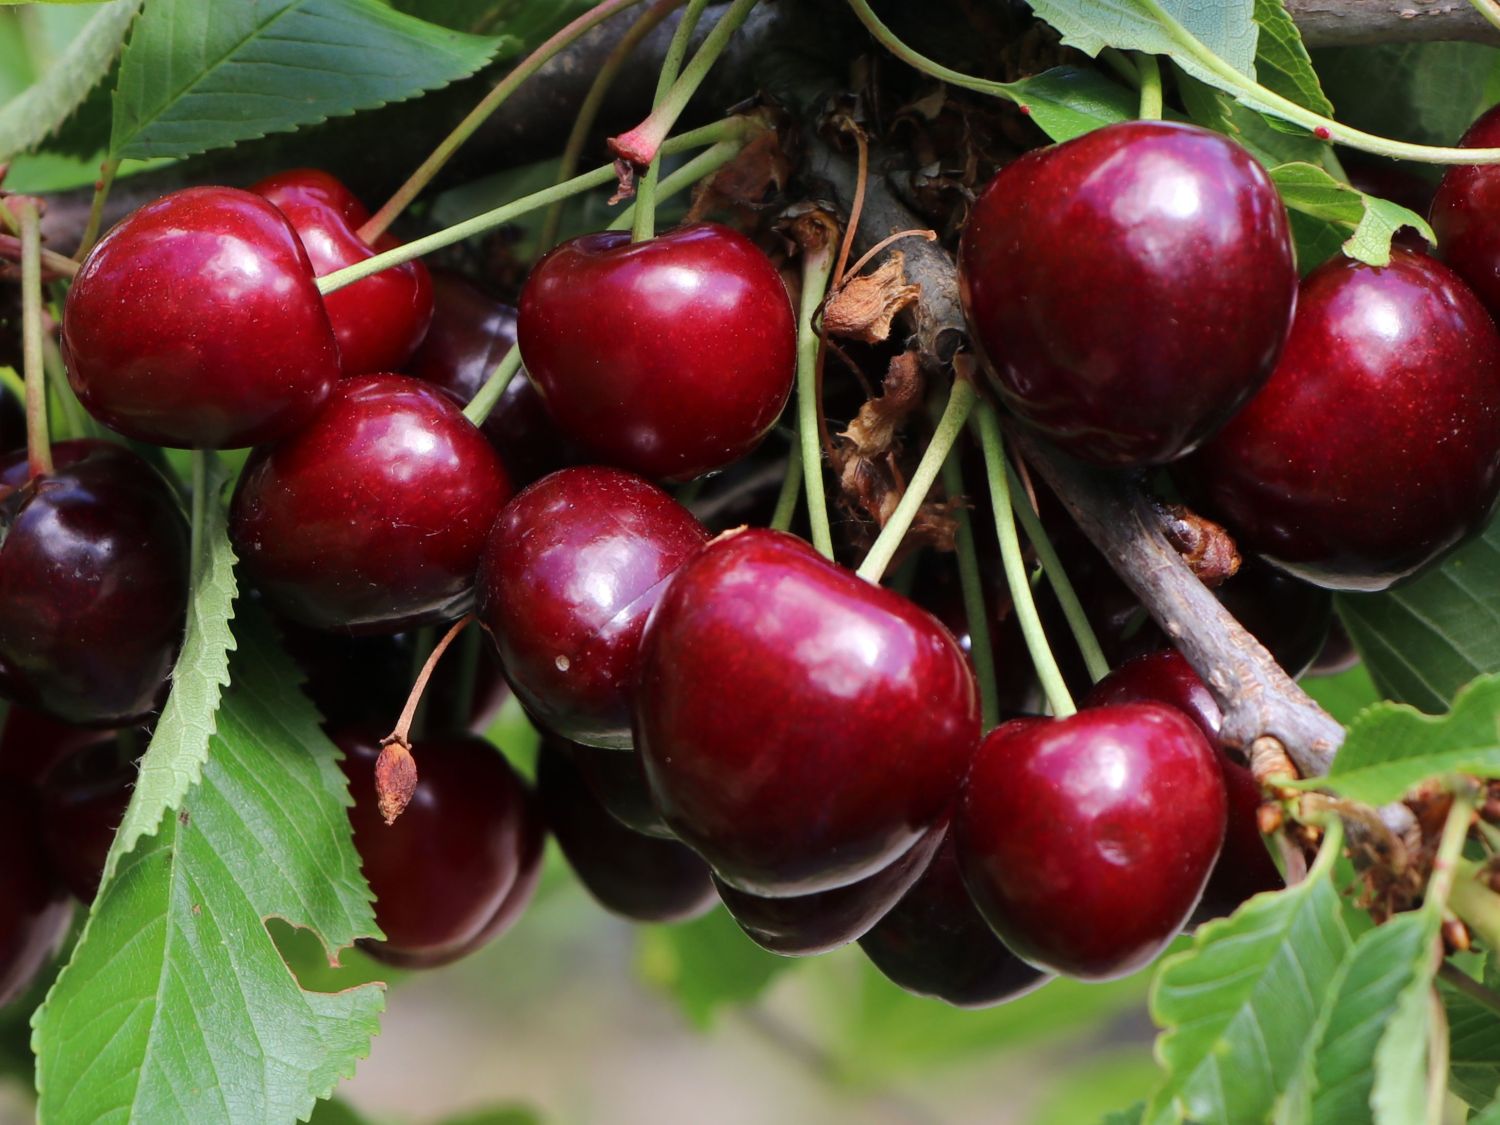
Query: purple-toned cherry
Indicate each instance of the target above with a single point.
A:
(935, 943)
(670, 357)
(1410, 353)
(83, 800)
(1464, 215)
(33, 742)
(443, 873)
(372, 517)
(196, 323)
(805, 925)
(34, 907)
(93, 583)
(617, 779)
(1086, 841)
(1338, 655)
(801, 728)
(570, 571)
(1129, 289)
(378, 321)
(634, 876)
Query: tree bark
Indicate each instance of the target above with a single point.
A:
(1349, 23)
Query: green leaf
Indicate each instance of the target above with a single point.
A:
(1270, 144)
(1239, 1009)
(1428, 93)
(1343, 696)
(179, 746)
(1311, 191)
(497, 1115)
(706, 965)
(1281, 61)
(1473, 1047)
(30, 117)
(176, 1005)
(1225, 27)
(1067, 101)
(200, 76)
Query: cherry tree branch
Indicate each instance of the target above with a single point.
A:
(1347, 23)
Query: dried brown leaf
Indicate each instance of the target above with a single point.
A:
(863, 307)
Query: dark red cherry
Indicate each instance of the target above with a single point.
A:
(1465, 218)
(934, 943)
(670, 357)
(1086, 841)
(1290, 617)
(32, 742)
(617, 779)
(372, 517)
(571, 569)
(635, 876)
(801, 728)
(34, 907)
(1129, 289)
(378, 321)
(93, 583)
(196, 322)
(83, 800)
(444, 871)
(804, 925)
(1338, 655)
(1407, 351)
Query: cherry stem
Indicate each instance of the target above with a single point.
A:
(1150, 72)
(972, 586)
(38, 441)
(1473, 989)
(1489, 9)
(102, 185)
(1476, 904)
(817, 268)
(1450, 850)
(706, 163)
(644, 224)
(643, 144)
(1030, 621)
(482, 403)
(429, 168)
(791, 491)
(77, 421)
(960, 404)
(730, 127)
(588, 110)
(59, 265)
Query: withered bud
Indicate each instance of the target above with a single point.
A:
(395, 778)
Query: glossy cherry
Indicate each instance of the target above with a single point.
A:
(1465, 215)
(372, 517)
(1086, 841)
(801, 728)
(1129, 289)
(449, 867)
(617, 779)
(83, 800)
(34, 907)
(379, 321)
(570, 571)
(93, 583)
(634, 876)
(670, 357)
(196, 322)
(1411, 354)
(935, 943)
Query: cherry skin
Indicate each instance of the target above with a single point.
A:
(372, 517)
(570, 571)
(801, 728)
(379, 321)
(33, 742)
(634, 876)
(617, 779)
(934, 942)
(1463, 215)
(449, 866)
(93, 584)
(1375, 447)
(196, 323)
(34, 908)
(83, 800)
(1129, 289)
(1086, 841)
(671, 357)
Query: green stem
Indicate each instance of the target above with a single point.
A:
(482, 403)
(817, 269)
(960, 403)
(1150, 72)
(1473, 989)
(1475, 904)
(644, 224)
(791, 491)
(972, 586)
(1450, 853)
(1015, 567)
(77, 421)
(1489, 10)
(706, 163)
(406, 252)
(418, 180)
(106, 179)
(38, 441)
(198, 460)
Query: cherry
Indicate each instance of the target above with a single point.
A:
(804, 925)
(671, 357)
(34, 908)
(1408, 353)
(1086, 841)
(196, 323)
(618, 782)
(469, 841)
(470, 335)
(33, 742)
(83, 800)
(801, 728)
(635, 876)
(934, 942)
(1290, 617)
(93, 583)
(571, 569)
(379, 321)
(1129, 289)
(1338, 655)
(372, 517)
(1463, 215)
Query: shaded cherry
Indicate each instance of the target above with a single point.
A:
(934, 942)
(32, 742)
(569, 572)
(93, 583)
(449, 867)
(196, 323)
(372, 517)
(635, 876)
(801, 728)
(378, 321)
(1409, 352)
(34, 907)
(83, 800)
(1290, 617)
(670, 357)
(1464, 215)
(1338, 655)
(1129, 289)
(617, 780)
(1086, 841)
